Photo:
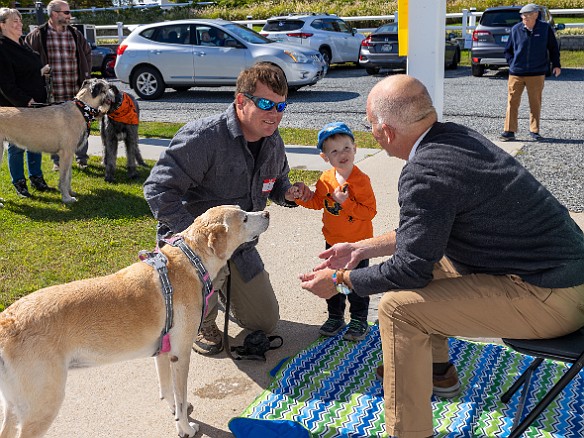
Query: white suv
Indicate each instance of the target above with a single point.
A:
(331, 36)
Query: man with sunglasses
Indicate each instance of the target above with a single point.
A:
(236, 157)
(68, 54)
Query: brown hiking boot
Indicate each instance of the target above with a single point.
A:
(445, 385)
(209, 341)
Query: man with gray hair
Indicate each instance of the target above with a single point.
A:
(526, 51)
(68, 54)
(482, 249)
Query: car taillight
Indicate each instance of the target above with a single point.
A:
(366, 42)
(480, 33)
(299, 35)
(121, 49)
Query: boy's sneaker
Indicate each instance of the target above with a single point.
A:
(507, 136)
(535, 136)
(357, 330)
(39, 183)
(209, 341)
(331, 327)
(445, 385)
(22, 189)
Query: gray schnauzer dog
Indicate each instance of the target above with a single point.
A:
(121, 123)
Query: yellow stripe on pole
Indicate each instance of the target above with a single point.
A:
(402, 26)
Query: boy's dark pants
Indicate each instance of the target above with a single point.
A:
(358, 306)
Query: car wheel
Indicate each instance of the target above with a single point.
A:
(477, 70)
(107, 67)
(148, 83)
(372, 70)
(455, 60)
(326, 54)
(181, 89)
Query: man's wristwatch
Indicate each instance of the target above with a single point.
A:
(339, 281)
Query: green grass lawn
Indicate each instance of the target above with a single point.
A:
(45, 242)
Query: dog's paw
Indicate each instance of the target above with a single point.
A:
(193, 429)
(69, 200)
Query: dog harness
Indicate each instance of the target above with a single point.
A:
(88, 112)
(126, 112)
(158, 261)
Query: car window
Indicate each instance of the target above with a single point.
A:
(500, 18)
(318, 24)
(391, 27)
(342, 26)
(329, 25)
(173, 34)
(283, 25)
(246, 34)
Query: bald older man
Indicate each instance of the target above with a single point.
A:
(482, 250)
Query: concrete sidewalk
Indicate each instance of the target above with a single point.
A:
(122, 399)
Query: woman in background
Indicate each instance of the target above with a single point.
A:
(21, 85)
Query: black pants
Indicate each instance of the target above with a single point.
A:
(358, 306)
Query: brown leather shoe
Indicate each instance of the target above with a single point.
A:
(446, 385)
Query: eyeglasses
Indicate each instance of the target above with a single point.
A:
(65, 12)
(266, 104)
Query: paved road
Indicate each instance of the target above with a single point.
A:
(476, 102)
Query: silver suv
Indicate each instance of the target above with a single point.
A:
(492, 33)
(330, 35)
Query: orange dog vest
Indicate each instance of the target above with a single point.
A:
(126, 113)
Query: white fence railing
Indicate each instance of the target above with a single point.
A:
(468, 19)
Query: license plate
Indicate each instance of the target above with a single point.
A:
(504, 38)
(386, 48)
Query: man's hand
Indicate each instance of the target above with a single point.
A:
(299, 190)
(556, 71)
(339, 256)
(46, 70)
(320, 283)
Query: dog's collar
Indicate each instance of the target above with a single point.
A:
(204, 276)
(124, 112)
(89, 113)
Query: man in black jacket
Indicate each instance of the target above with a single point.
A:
(527, 55)
(482, 250)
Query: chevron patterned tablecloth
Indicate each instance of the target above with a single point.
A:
(330, 390)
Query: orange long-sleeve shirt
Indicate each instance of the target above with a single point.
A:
(351, 221)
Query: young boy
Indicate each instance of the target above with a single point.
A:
(345, 195)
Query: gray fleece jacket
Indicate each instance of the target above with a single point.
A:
(463, 197)
(207, 164)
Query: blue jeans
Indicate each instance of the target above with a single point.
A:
(16, 163)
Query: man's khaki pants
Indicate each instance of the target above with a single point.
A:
(515, 86)
(415, 324)
(253, 304)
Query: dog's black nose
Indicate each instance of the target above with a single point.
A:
(266, 214)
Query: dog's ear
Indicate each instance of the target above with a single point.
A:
(217, 240)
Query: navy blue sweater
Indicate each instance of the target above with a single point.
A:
(527, 51)
(463, 197)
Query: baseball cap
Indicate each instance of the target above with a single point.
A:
(332, 129)
(531, 7)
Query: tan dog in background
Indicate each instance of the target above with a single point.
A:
(110, 319)
(56, 129)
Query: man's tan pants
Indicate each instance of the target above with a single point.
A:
(253, 305)
(415, 324)
(515, 86)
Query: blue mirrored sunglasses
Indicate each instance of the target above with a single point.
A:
(266, 104)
